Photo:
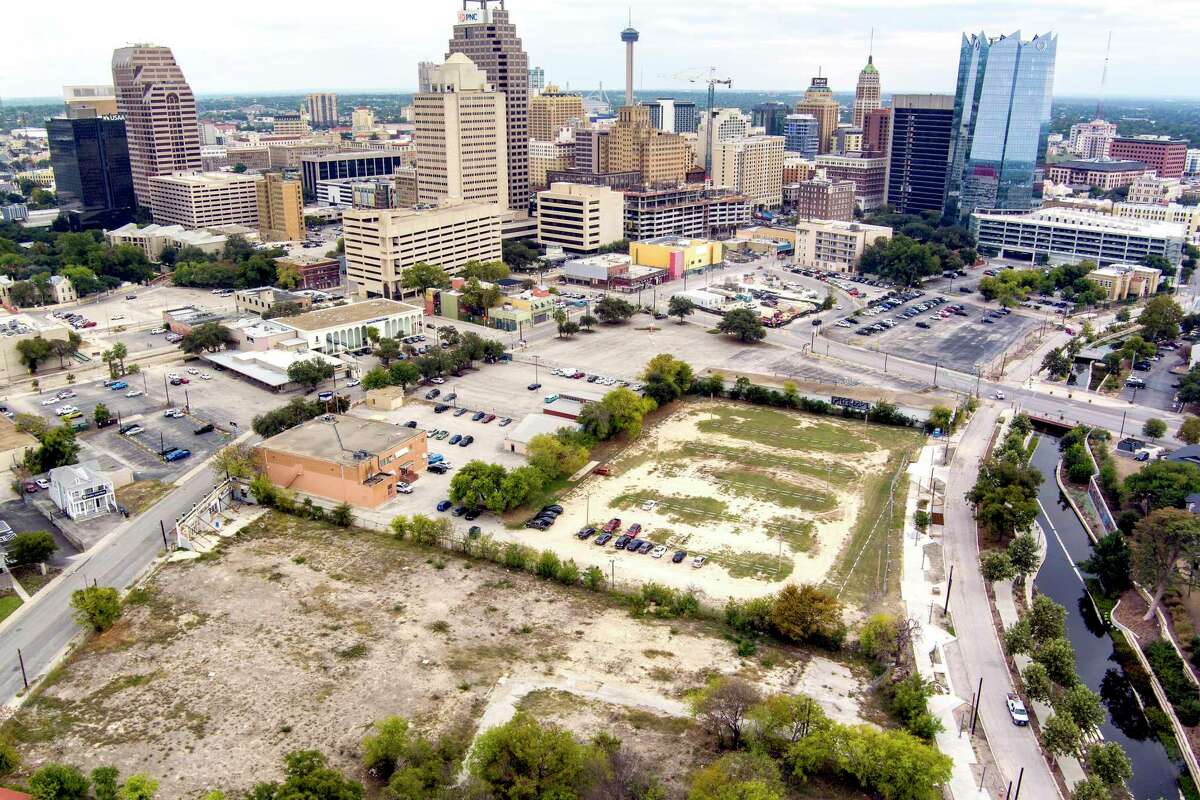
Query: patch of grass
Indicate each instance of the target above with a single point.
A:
(120, 683)
(782, 493)
(140, 495)
(785, 429)
(548, 702)
(662, 674)
(439, 626)
(8, 604)
(687, 509)
(356, 650)
(773, 459)
(741, 564)
(641, 719)
(798, 534)
(652, 653)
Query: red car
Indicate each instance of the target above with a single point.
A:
(634, 529)
(30, 487)
(89, 324)
(612, 525)
(488, 419)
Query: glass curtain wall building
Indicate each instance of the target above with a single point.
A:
(1001, 122)
(801, 135)
(94, 181)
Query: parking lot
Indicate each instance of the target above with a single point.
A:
(1161, 383)
(968, 336)
(23, 517)
(211, 401)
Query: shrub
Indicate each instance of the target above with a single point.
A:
(516, 556)
(98, 607)
(1169, 669)
(548, 565)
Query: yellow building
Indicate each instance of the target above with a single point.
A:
(553, 110)
(1187, 216)
(1120, 281)
(634, 145)
(676, 255)
(280, 209)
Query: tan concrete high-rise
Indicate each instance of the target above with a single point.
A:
(460, 136)
(751, 165)
(553, 110)
(280, 209)
(160, 115)
(634, 144)
(866, 94)
(322, 109)
(486, 37)
(818, 101)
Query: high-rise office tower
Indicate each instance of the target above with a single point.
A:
(460, 136)
(876, 125)
(662, 113)
(727, 123)
(866, 93)
(919, 151)
(102, 98)
(486, 36)
(160, 115)
(537, 80)
(818, 101)
(687, 116)
(92, 177)
(280, 209)
(629, 36)
(553, 110)
(751, 165)
(770, 117)
(1001, 121)
(425, 76)
(634, 145)
(802, 135)
(322, 109)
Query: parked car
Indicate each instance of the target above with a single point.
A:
(472, 514)
(622, 540)
(461, 411)
(488, 418)
(350, 384)
(440, 408)
(412, 423)
(550, 398)
(634, 529)
(505, 421)
(456, 438)
(177, 454)
(459, 511)
(443, 505)
(680, 555)
(659, 551)
(432, 393)
(30, 487)
(699, 561)
(533, 387)
(478, 415)
(206, 428)
(585, 532)
(644, 547)
(612, 525)
(466, 441)
(119, 385)
(438, 469)
(603, 539)
(42, 483)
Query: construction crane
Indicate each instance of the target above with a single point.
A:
(712, 80)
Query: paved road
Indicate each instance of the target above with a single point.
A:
(42, 630)
(979, 645)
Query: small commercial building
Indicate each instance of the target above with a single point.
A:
(518, 437)
(260, 300)
(81, 491)
(834, 245)
(676, 255)
(316, 272)
(340, 328)
(344, 459)
(153, 239)
(612, 271)
(1120, 281)
(268, 368)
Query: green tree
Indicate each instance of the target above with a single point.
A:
(1189, 430)
(1160, 318)
(33, 352)
(104, 783)
(781, 720)
(1058, 657)
(138, 787)
(376, 378)
(342, 515)
(554, 456)
(680, 306)
(10, 759)
(738, 776)
(1112, 563)
(287, 275)
(207, 337)
(307, 776)
(1091, 788)
(58, 448)
(1155, 428)
(1163, 484)
(490, 271)
(32, 547)
(386, 745)
(613, 309)
(1047, 619)
(1061, 736)
(744, 324)
(941, 418)
(404, 374)
(475, 482)
(666, 378)
(620, 411)
(587, 321)
(310, 372)
(422, 276)
(995, 565)
(1107, 762)
(1083, 706)
(1161, 540)
(560, 318)
(525, 760)
(386, 350)
(806, 613)
(58, 782)
(1023, 552)
(479, 298)
(1057, 363)
(1037, 682)
(96, 606)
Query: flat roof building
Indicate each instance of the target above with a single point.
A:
(344, 459)
(1187, 216)
(1120, 281)
(750, 165)
(1166, 156)
(382, 243)
(1067, 236)
(690, 211)
(580, 218)
(204, 199)
(868, 175)
(153, 239)
(1096, 174)
(676, 254)
(821, 198)
(835, 245)
(340, 328)
(316, 272)
(354, 164)
(280, 209)
(268, 367)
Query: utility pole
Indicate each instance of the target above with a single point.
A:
(949, 583)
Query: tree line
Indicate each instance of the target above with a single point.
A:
(31, 256)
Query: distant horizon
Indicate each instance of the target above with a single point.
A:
(663, 91)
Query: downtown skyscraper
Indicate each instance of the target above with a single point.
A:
(485, 35)
(160, 115)
(866, 93)
(1001, 122)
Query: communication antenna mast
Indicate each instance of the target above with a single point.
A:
(1103, 79)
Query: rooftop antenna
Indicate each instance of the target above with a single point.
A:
(1103, 79)
(871, 48)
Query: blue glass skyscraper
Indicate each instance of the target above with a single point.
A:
(801, 134)
(1001, 122)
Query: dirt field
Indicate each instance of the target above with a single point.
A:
(767, 495)
(299, 635)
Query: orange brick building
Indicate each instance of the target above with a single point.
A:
(344, 459)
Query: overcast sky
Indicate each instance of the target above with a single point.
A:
(247, 46)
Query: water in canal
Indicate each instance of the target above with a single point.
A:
(1154, 771)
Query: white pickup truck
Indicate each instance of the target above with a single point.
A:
(1016, 710)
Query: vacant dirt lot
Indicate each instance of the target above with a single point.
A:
(299, 635)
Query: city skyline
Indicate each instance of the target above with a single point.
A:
(914, 51)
